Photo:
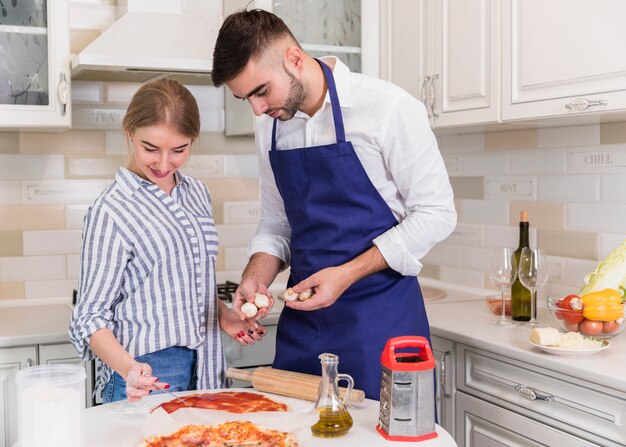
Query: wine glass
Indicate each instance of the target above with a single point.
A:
(533, 273)
(502, 273)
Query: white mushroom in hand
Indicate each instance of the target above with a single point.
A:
(305, 295)
(261, 300)
(290, 295)
(249, 310)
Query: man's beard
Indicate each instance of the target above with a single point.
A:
(294, 99)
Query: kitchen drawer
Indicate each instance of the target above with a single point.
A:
(259, 354)
(583, 408)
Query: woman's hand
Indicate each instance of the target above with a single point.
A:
(139, 382)
(245, 332)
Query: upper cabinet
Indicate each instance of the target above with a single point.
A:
(575, 65)
(35, 64)
(447, 54)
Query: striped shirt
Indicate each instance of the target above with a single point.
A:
(148, 274)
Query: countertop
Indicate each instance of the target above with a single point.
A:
(124, 424)
(34, 323)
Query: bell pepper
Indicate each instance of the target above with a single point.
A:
(603, 305)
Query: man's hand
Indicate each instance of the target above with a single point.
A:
(328, 285)
(245, 293)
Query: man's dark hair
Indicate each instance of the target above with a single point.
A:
(244, 35)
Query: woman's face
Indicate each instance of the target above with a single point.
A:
(159, 151)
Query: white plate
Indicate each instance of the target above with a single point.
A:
(561, 351)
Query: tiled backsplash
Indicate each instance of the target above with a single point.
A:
(571, 180)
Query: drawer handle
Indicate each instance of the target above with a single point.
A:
(29, 363)
(579, 104)
(531, 394)
(442, 375)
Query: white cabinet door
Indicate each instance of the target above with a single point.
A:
(466, 73)
(11, 361)
(443, 350)
(66, 353)
(35, 65)
(550, 63)
(481, 424)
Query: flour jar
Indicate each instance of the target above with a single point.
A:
(50, 402)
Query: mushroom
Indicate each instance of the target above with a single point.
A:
(305, 295)
(261, 300)
(249, 309)
(290, 295)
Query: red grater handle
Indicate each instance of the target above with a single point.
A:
(423, 358)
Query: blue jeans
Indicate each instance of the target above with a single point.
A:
(175, 365)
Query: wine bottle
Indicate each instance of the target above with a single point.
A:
(520, 295)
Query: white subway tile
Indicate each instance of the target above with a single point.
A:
(609, 242)
(475, 258)
(241, 212)
(87, 92)
(93, 167)
(538, 161)
(208, 96)
(204, 166)
(115, 142)
(211, 120)
(556, 269)
(485, 211)
(235, 258)
(13, 167)
(228, 275)
(50, 289)
(605, 159)
(576, 270)
(556, 290)
(53, 242)
(32, 268)
(443, 254)
(61, 191)
(500, 236)
(568, 188)
(510, 187)
(10, 192)
(73, 266)
(466, 234)
(461, 142)
(568, 136)
(486, 163)
(452, 163)
(85, 117)
(613, 189)
(235, 235)
(120, 92)
(241, 166)
(462, 276)
(608, 218)
(75, 216)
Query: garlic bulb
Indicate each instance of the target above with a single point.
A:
(249, 309)
(261, 300)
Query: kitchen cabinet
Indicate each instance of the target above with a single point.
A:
(509, 394)
(447, 54)
(443, 351)
(573, 66)
(347, 29)
(35, 60)
(12, 360)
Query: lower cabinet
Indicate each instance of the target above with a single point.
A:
(249, 357)
(443, 351)
(13, 360)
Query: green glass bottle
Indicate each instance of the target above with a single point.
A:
(520, 295)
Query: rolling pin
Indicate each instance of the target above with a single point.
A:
(287, 383)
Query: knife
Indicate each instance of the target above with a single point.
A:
(162, 388)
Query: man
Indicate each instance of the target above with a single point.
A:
(353, 192)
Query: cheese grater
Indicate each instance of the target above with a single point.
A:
(407, 395)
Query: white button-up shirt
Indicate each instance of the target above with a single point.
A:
(392, 138)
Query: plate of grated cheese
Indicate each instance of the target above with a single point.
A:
(552, 341)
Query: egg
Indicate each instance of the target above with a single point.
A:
(608, 327)
(249, 309)
(261, 300)
(590, 327)
(571, 327)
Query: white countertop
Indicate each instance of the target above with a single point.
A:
(115, 425)
(32, 324)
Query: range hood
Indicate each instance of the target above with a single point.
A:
(151, 40)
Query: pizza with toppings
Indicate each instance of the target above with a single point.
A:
(230, 401)
(228, 434)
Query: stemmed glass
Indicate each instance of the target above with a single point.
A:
(502, 273)
(533, 273)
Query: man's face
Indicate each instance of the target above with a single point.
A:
(275, 92)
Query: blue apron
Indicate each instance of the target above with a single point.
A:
(335, 212)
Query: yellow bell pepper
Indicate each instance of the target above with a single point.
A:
(604, 305)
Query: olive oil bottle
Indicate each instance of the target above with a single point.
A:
(332, 423)
(520, 295)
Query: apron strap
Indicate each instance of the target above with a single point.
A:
(340, 134)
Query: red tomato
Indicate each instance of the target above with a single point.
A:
(590, 327)
(609, 327)
(568, 314)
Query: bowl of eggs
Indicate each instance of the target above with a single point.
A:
(598, 317)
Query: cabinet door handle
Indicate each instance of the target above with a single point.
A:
(432, 95)
(29, 363)
(64, 93)
(424, 93)
(442, 375)
(530, 394)
(579, 104)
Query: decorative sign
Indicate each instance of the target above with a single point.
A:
(242, 212)
(596, 160)
(508, 187)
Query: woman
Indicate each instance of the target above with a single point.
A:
(147, 304)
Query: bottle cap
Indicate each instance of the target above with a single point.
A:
(523, 216)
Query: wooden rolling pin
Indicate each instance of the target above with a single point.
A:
(287, 383)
